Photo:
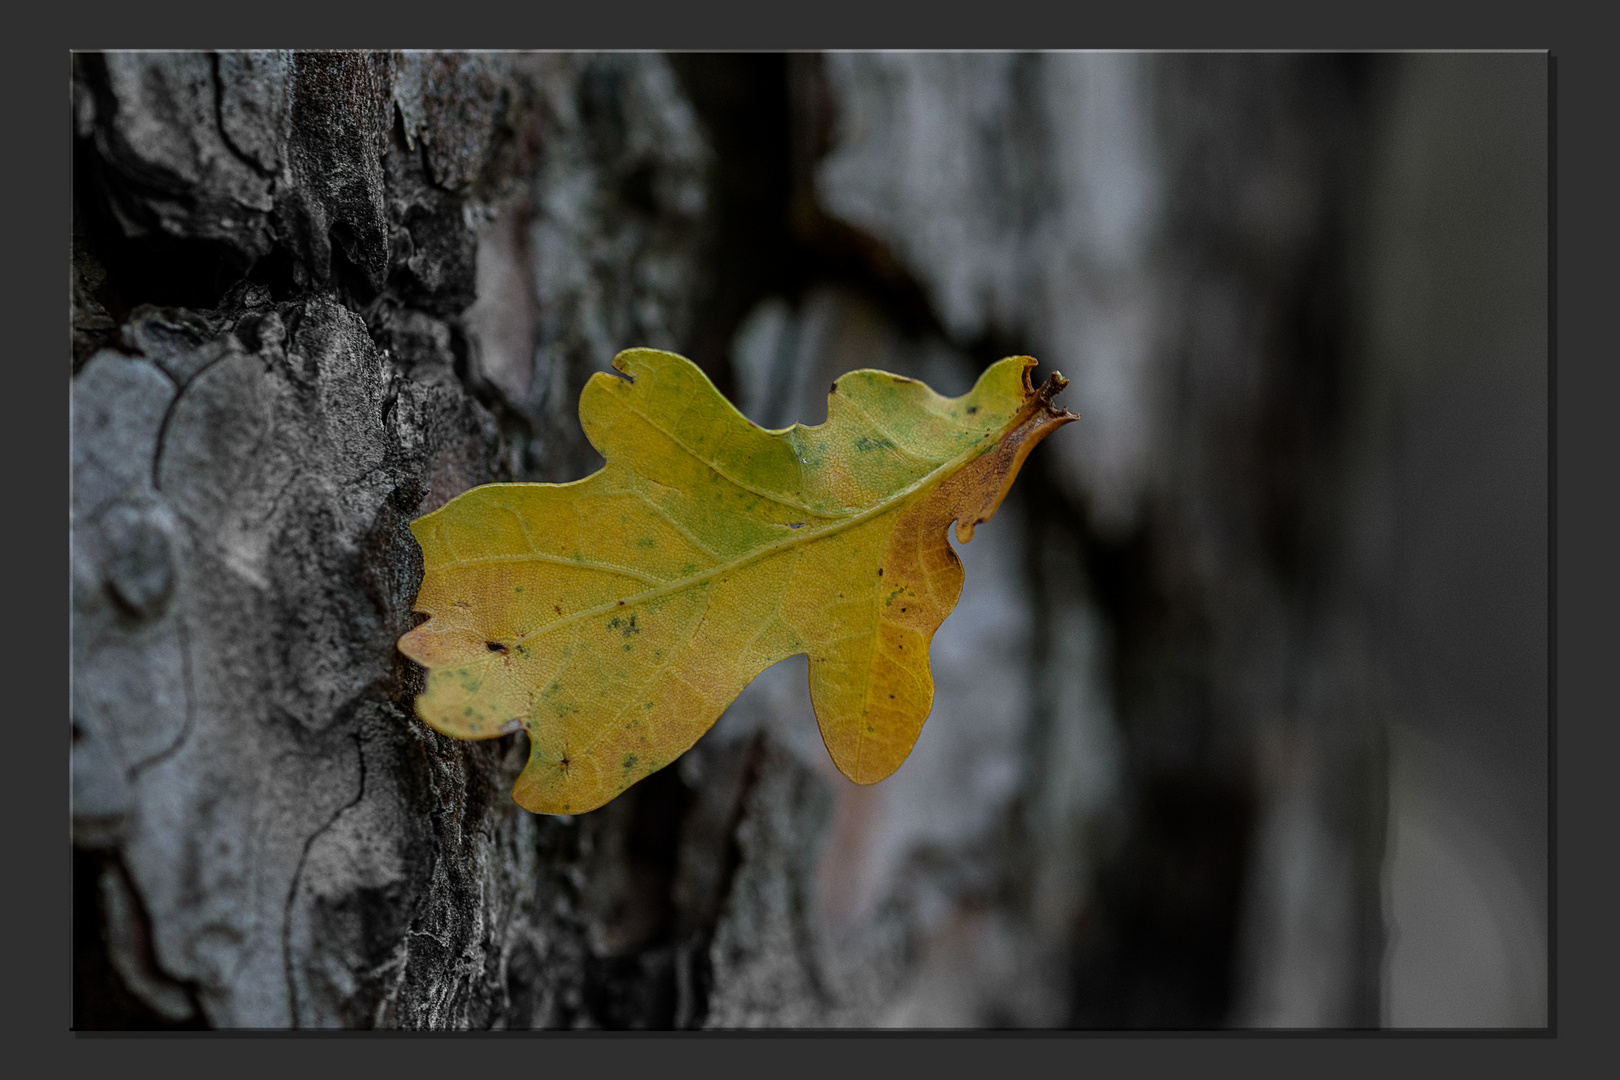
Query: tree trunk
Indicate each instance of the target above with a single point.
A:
(317, 295)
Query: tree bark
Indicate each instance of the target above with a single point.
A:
(317, 295)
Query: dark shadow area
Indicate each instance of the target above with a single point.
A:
(101, 1000)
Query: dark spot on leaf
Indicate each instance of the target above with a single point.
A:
(494, 646)
(972, 409)
(629, 761)
(621, 603)
(557, 608)
(517, 588)
(880, 571)
(834, 389)
(795, 524)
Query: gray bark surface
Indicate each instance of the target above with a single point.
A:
(315, 296)
(275, 840)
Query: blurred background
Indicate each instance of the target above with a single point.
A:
(1242, 718)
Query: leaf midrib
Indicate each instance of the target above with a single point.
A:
(893, 501)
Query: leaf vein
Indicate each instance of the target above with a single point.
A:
(676, 525)
(538, 556)
(883, 506)
(893, 439)
(701, 460)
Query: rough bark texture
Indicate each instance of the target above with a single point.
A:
(317, 295)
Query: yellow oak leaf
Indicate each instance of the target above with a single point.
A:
(614, 618)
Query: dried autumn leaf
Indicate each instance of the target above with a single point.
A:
(616, 617)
